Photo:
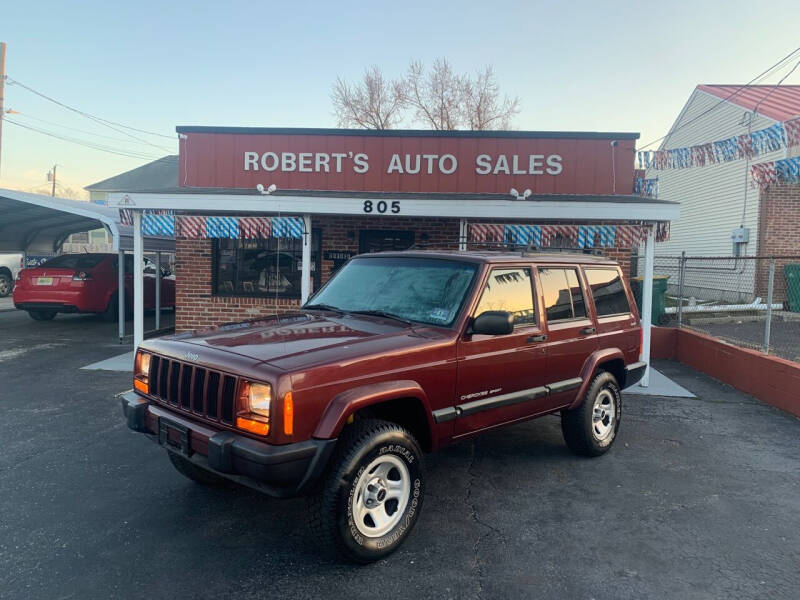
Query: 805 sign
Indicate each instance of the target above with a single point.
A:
(381, 206)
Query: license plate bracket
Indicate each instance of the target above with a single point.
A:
(164, 425)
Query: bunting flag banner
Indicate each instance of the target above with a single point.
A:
(255, 227)
(746, 145)
(126, 216)
(792, 132)
(786, 170)
(523, 235)
(566, 236)
(191, 227)
(194, 227)
(646, 187)
(486, 232)
(287, 227)
(158, 224)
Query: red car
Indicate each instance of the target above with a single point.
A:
(85, 283)
(398, 354)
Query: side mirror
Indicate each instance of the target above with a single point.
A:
(493, 322)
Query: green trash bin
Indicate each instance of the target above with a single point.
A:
(792, 274)
(659, 296)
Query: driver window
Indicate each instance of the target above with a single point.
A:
(510, 290)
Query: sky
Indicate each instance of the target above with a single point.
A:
(576, 66)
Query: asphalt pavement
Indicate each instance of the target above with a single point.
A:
(699, 498)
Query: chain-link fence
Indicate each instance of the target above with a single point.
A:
(750, 301)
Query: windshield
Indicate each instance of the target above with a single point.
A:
(416, 289)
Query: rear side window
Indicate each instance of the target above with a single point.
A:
(510, 290)
(74, 261)
(563, 298)
(608, 292)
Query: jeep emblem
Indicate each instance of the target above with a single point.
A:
(192, 356)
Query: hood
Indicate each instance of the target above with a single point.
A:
(295, 341)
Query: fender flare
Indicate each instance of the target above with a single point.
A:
(590, 366)
(348, 402)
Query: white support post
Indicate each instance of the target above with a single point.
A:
(305, 274)
(158, 291)
(462, 235)
(121, 294)
(138, 280)
(647, 302)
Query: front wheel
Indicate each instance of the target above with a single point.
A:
(591, 428)
(42, 315)
(372, 494)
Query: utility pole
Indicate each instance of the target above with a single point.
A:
(52, 177)
(2, 90)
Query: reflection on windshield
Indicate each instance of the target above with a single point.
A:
(417, 289)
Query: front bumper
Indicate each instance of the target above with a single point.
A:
(281, 471)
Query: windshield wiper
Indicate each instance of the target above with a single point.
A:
(324, 307)
(381, 313)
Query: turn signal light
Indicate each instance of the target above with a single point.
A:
(141, 386)
(253, 426)
(288, 414)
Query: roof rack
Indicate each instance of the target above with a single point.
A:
(533, 249)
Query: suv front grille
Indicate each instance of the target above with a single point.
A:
(193, 389)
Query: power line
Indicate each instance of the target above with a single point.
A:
(780, 64)
(100, 135)
(100, 120)
(87, 144)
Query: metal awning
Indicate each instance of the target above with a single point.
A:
(38, 224)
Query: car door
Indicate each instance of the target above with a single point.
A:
(501, 377)
(570, 329)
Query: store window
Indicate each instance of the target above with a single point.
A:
(379, 240)
(262, 267)
(509, 290)
(563, 298)
(608, 292)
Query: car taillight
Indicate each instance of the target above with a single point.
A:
(81, 276)
(141, 372)
(254, 407)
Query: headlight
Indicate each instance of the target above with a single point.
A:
(141, 372)
(254, 406)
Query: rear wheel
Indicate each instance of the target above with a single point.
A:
(6, 284)
(591, 428)
(42, 315)
(190, 470)
(372, 494)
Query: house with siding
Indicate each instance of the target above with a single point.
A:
(718, 199)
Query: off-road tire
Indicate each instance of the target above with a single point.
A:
(579, 427)
(191, 471)
(6, 285)
(42, 315)
(332, 505)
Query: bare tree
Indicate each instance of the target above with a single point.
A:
(482, 108)
(441, 98)
(374, 103)
(437, 95)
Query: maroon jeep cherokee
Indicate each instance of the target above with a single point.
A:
(397, 355)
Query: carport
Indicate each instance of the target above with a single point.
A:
(38, 224)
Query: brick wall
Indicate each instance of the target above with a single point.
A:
(197, 306)
(778, 234)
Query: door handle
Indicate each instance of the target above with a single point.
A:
(588, 330)
(536, 338)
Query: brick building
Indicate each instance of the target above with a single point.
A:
(263, 217)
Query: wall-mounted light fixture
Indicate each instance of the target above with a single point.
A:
(266, 191)
(518, 196)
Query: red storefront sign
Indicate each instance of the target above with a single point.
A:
(398, 161)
